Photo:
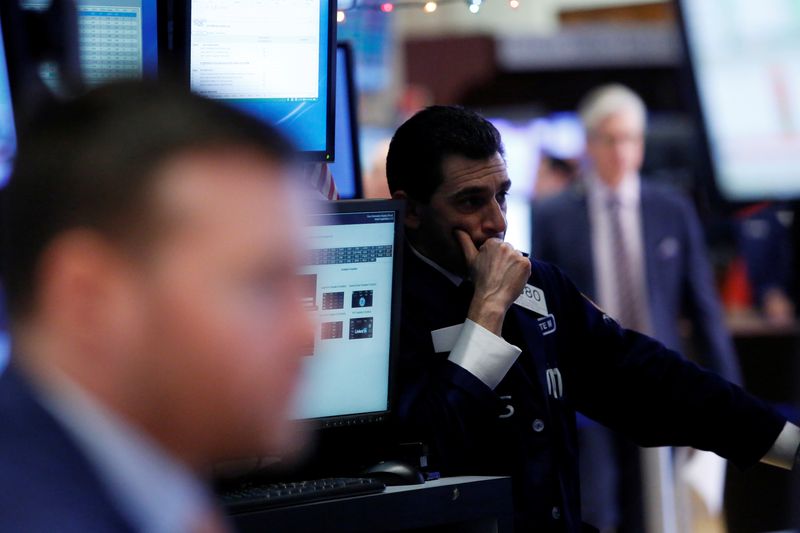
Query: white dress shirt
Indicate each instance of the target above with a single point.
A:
(489, 357)
(629, 195)
(153, 491)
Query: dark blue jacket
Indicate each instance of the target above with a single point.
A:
(765, 242)
(620, 378)
(46, 483)
(679, 278)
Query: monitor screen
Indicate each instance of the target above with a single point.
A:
(118, 39)
(744, 58)
(8, 136)
(272, 58)
(346, 169)
(352, 290)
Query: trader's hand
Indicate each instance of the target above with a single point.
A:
(499, 273)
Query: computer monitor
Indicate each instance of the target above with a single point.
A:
(272, 58)
(353, 289)
(744, 63)
(346, 169)
(118, 40)
(8, 135)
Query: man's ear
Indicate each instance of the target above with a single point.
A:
(74, 283)
(412, 209)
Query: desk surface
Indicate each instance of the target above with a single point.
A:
(464, 504)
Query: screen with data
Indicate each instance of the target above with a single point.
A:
(272, 58)
(118, 40)
(348, 289)
(8, 135)
(746, 62)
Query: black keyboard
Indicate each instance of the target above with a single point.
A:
(253, 497)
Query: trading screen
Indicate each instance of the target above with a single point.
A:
(746, 60)
(118, 39)
(268, 57)
(349, 290)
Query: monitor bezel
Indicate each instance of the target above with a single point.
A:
(352, 110)
(358, 206)
(181, 35)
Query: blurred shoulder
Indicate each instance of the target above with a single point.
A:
(667, 196)
(573, 195)
(560, 206)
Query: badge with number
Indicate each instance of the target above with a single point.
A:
(532, 298)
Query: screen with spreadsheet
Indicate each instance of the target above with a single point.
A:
(271, 58)
(349, 282)
(8, 136)
(118, 39)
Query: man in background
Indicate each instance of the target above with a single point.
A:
(155, 314)
(638, 250)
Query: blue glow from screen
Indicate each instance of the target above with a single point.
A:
(343, 169)
(8, 136)
(150, 38)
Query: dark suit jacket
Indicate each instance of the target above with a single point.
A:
(679, 277)
(620, 378)
(46, 483)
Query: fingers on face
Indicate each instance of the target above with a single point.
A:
(467, 246)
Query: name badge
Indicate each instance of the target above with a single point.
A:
(547, 325)
(532, 298)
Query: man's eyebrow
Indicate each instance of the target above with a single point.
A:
(470, 191)
(478, 190)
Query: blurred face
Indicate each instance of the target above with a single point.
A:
(472, 198)
(616, 147)
(218, 326)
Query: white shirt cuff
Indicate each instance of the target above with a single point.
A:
(783, 452)
(483, 354)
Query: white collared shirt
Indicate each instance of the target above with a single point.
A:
(154, 492)
(629, 195)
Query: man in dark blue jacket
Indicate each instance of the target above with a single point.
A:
(613, 227)
(499, 352)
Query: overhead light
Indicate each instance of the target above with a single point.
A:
(430, 7)
(514, 4)
(474, 8)
(340, 16)
(387, 7)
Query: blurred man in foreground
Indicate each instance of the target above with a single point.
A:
(155, 317)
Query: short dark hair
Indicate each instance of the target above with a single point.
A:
(91, 163)
(420, 145)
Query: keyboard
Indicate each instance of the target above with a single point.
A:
(267, 496)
